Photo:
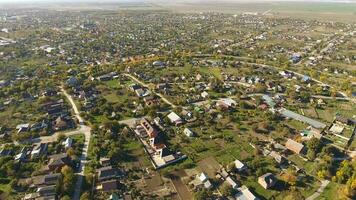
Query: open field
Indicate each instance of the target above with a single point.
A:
(325, 11)
(315, 10)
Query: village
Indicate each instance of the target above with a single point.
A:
(224, 107)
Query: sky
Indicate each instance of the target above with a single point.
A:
(166, 1)
(56, 1)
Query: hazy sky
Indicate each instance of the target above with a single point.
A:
(98, 1)
(162, 1)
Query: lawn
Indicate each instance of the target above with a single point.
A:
(257, 189)
(79, 138)
(309, 167)
(112, 98)
(296, 124)
(330, 192)
(113, 84)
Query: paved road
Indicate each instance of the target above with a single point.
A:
(145, 85)
(86, 131)
(324, 183)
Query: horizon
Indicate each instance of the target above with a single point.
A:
(173, 1)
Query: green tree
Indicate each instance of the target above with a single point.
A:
(202, 195)
(226, 190)
(68, 180)
(313, 148)
(85, 196)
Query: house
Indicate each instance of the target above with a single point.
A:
(107, 173)
(175, 119)
(203, 177)
(244, 194)
(166, 155)
(311, 132)
(23, 128)
(107, 77)
(204, 94)
(296, 57)
(151, 101)
(267, 180)
(60, 124)
(5, 152)
(58, 161)
(336, 129)
(46, 180)
(150, 130)
(72, 81)
(208, 184)
(39, 126)
(278, 157)
(294, 146)
(204, 180)
(187, 115)
(104, 162)
(158, 64)
(45, 191)
(269, 101)
(231, 182)
(31, 196)
(240, 166)
(306, 79)
(51, 179)
(107, 186)
(39, 150)
(188, 132)
(49, 93)
(134, 87)
(68, 143)
(226, 103)
(157, 142)
(345, 121)
(22, 155)
(140, 92)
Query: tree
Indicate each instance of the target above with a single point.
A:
(226, 190)
(60, 137)
(294, 195)
(313, 148)
(68, 180)
(345, 172)
(71, 152)
(85, 196)
(322, 174)
(290, 177)
(202, 195)
(66, 197)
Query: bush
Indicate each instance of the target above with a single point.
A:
(4, 180)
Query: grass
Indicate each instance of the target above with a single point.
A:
(330, 192)
(113, 84)
(79, 138)
(6, 188)
(309, 167)
(113, 98)
(296, 124)
(257, 189)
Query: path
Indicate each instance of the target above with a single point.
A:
(86, 131)
(324, 183)
(145, 85)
